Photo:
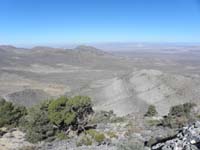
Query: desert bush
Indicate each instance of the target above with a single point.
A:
(44, 121)
(151, 111)
(69, 112)
(62, 135)
(112, 134)
(37, 125)
(10, 114)
(174, 121)
(97, 136)
(188, 107)
(84, 140)
(178, 115)
(58, 112)
(52, 118)
(106, 117)
(181, 110)
(177, 110)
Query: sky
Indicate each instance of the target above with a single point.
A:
(60, 22)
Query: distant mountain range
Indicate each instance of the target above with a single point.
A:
(126, 82)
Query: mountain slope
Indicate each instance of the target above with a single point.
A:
(132, 93)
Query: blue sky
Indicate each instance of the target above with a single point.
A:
(59, 22)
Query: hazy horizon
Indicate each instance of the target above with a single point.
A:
(112, 46)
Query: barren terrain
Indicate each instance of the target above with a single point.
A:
(123, 81)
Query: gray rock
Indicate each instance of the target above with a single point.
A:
(187, 139)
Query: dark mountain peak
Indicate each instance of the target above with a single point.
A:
(7, 47)
(42, 48)
(45, 49)
(85, 47)
(89, 49)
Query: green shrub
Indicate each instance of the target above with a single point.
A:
(188, 107)
(151, 111)
(62, 136)
(178, 115)
(181, 110)
(10, 114)
(174, 121)
(177, 110)
(97, 136)
(78, 102)
(65, 112)
(37, 125)
(57, 111)
(55, 116)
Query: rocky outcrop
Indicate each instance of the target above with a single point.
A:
(187, 139)
(14, 140)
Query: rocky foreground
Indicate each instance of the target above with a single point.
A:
(118, 136)
(13, 140)
(187, 139)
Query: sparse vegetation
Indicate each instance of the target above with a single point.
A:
(151, 111)
(43, 121)
(132, 127)
(106, 117)
(84, 140)
(153, 122)
(66, 113)
(54, 118)
(112, 134)
(181, 110)
(131, 144)
(97, 136)
(37, 125)
(62, 135)
(178, 115)
(10, 114)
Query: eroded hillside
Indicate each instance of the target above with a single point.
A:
(123, 84)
